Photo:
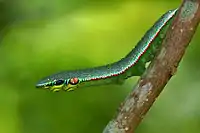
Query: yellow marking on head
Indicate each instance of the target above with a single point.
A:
(56, 88)
(70, 87)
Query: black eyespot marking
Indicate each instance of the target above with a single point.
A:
(59, 82)
(74, 81)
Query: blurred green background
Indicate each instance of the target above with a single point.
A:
(41, 37)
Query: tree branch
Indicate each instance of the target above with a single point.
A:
(162, 68)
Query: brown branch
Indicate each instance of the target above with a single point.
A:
(162, 68)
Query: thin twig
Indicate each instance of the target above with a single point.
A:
(162, 68)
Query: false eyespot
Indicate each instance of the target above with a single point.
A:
(74, 81)
(59, 82)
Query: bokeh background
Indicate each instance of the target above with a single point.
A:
(41, 37)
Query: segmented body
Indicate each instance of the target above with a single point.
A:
(132, 65)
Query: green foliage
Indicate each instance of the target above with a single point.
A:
(47, 37)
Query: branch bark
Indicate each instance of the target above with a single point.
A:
(162, 68)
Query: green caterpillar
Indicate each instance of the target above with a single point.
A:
(131, 65)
